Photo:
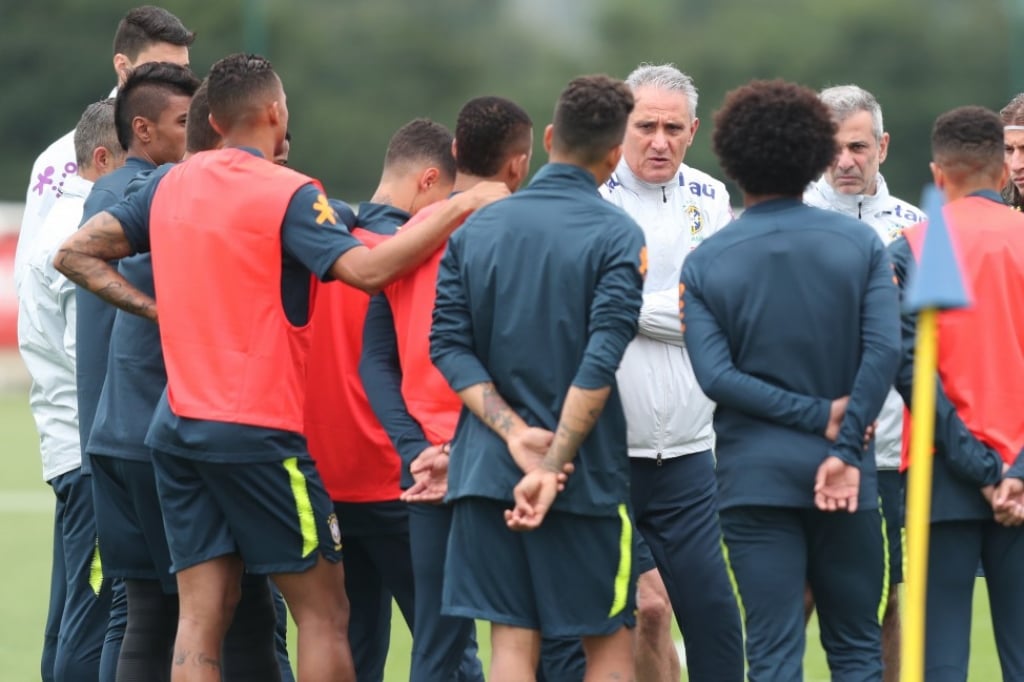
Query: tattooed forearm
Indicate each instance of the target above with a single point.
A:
(84, 257)
(486, 403)
(497, 414)
(580, 412)
(196, 659)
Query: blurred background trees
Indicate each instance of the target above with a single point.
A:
(355, 70)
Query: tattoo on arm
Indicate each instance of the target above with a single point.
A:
(198, 659)
(497, 414)
(580, 412)
(84, 259)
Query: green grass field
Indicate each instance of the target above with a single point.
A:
(26, 507)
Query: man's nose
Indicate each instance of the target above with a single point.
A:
(844, 159)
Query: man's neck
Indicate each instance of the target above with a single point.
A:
(260, 140)
(388, 195)
(954, 191)
(465, 181)
(755, 199)
(140, 152)
(598, 170)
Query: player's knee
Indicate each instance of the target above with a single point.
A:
(654, 610)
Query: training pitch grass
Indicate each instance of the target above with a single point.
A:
(26, 517)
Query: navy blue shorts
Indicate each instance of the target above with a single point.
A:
(644, 558)
(890, 492)
(129, 522)
(275, 515)
(572, 577)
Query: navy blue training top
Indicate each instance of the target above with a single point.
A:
(539, 292)
(135, 375)
(787, 310)
(306, 247)
(95, 317)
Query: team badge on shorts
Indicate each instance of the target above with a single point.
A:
(332, 523)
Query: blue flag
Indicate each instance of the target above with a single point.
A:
(937, 281)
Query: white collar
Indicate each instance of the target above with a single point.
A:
(625, 176)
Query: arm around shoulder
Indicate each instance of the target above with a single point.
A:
(373, 269)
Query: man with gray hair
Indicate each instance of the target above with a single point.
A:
(853, 185)
(79, 600)
(673, 489)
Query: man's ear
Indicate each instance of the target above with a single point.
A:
(428, 178)
(883, 148)
(549, 133)
(142, 129)
(102, 159)
(273, 110)
(938, 175)
(122, 67)
(612, 159)
(215, 125)
(693, 131)
(516, 169)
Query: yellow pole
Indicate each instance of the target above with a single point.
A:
(919, 496)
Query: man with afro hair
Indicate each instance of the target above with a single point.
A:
(792, 321)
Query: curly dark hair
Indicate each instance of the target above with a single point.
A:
(488, 131)
(774, 137)
(422, 140)
(967, 142)
(145, 94)
(147, 25)
(590, 117)
(236, 82)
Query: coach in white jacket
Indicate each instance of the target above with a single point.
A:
(79, 600)
(853, 185)
(668, 417)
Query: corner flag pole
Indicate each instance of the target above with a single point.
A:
(935, 286)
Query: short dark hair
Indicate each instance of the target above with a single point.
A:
(95, 129)
(147, 25)
(199, 134)
(145, 94)
(968, 142)
(488, 131)
(236, 84)
(590, 117)
(774, 137)
(422, 140)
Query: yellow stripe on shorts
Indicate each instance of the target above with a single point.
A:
(303, 506)
(96, 570)
(625, 564)
(885, 573)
